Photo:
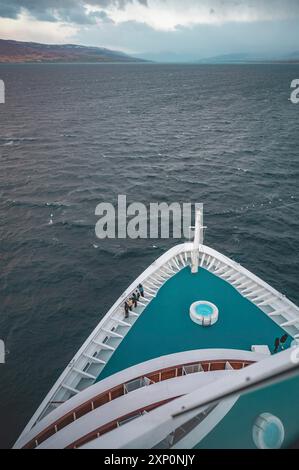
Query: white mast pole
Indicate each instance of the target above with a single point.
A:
(198, 240)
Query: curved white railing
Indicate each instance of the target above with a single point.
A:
(92, 357)
(152, 428)
(274, 304)
(121, 383)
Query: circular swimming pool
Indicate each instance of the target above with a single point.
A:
(204, 313)
(268, 432)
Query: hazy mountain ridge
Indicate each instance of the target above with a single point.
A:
(234, 58)
(246, 58)
(20, 52)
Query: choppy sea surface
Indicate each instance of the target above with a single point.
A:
(72, 136)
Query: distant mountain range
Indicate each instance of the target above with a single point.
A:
(250, 59)
(165, 57)
(20, 52)
(240, 58)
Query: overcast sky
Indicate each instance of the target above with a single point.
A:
(190, 28)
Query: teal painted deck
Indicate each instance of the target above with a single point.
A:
(235, 430)
(165, 326)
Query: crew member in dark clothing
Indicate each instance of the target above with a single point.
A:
(134, 299)
(277, 344)
(141, 290)
(126, 310)
(137, 293)
(283, 340)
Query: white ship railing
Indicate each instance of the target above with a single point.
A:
(151, 429)
(134, 378)
(274, 304)
(92, 357)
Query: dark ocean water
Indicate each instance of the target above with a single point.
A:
(72, 136)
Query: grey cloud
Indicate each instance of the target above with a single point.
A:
(73, 11)
(101, 15)
(118, 3)
(8, 9)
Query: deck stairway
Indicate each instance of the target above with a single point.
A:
(273, 304)
(90, 361)
(85, 371)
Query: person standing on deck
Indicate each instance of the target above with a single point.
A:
(126, 306)
(137, 293)
(276, 344)
(283, 341)
(135, 300)
(141, 290)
